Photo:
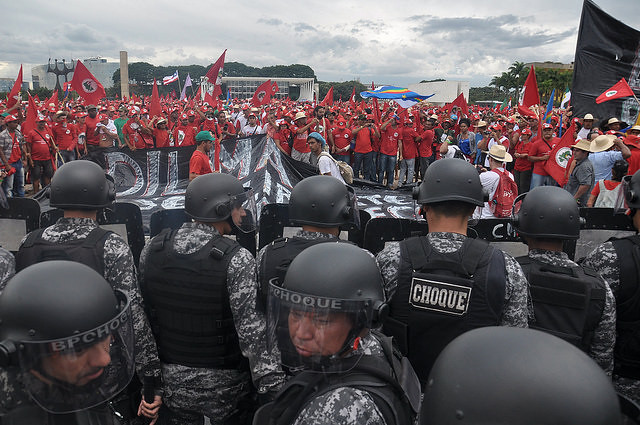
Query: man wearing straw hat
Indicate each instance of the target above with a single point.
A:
(497, 156)
(581, 179)
(603, 158)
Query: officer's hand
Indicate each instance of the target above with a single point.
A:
(150, 410)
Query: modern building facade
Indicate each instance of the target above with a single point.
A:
(43, 75)
(442, 91)
(245, 87)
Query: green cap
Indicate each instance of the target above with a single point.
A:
(204, 135)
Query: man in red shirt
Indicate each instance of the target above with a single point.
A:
(300, 150)
(161, 133)
(364, 133)
(134, 130)
(633, 142)
(342, 141)
(39, 144)
(91, 122)
(200, 162)
(225, 127)
(184, 134)
(523, 167)
(426, 146)
(539, 154)
(408, 152)
(391, 137)
(65, 135)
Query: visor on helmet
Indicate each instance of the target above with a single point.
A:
(243, 211)
(81, 371)
(354, 212)
(316, 333)
(626, 196)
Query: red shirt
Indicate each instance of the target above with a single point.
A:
(66, 135)
(633, 142)
(132, 129)
(608, 184)
(16, 151)
(162, 138)
(540, 148)
(409, 148)
(523, 164)
(184, 135)
(364, 140)
(92, 138)
(40, 141)
(426, 144)
(227, 127)
(341, 137)
(390, 137)
(199, 163)
(300, 140)
(283, 137)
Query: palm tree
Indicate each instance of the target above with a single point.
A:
(518, 71)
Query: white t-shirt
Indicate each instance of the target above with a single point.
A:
(328, 165)
(248, 130)
(489, 181)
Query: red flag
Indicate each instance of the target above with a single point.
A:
(619, 89)
(53, 99)
(30, 122)
(328, 99)
(155, 109)
(274, 88)
(262, 96)
(352, 99)
(460, 102)
(209, 99)
(214, 75)
(530, 95)
(522, 110)
(14, 95)
(87, 86)
(560, 155)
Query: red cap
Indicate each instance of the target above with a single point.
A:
(526, 131)
(184, 117)
(103, 117)
(10, 118)
(546, 125)
(191, 113)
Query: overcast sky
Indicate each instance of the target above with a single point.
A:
(389, 42)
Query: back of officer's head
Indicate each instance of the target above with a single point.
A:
(81, 185)
(451, 187)
(321, 201)
(503, 375)
(547, 213)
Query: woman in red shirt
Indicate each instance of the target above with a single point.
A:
(523, 167)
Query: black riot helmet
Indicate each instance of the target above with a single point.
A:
(69, 333)
(631, 190)
(450, 179)
(211, 198)
(322, 201)
(81, 185)
(348, 294)
(503, 375)
(547, 212)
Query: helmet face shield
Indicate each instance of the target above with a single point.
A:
(313, 332)
(83, 370)
(354, 212)
(244, 211)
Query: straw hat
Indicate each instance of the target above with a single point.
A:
(583, 144)
(499, 153)
(299, 115)
(602, 143)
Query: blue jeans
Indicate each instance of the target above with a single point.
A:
(66, 156)
(343, 157)
(14, 184)
(406, 168)
(386, 163)
(538, 180)
(364, 161)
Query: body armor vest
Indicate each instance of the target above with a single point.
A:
(441, 296)
(188, 303)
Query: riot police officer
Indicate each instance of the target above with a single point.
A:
(517, 376)
(66, 340)
(81, 189)
(569, 301)
(618, 261)
(321, 320)
(200, 290)
(445, 283)
(320, 204)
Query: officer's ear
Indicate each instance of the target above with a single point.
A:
(380, 313)
(8, 354)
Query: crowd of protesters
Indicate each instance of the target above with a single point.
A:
(392, 145)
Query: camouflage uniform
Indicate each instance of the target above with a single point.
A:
(7, 267)
(347, 405)
(605, 260)
(605, 333)
(191, 392)
(517, 304)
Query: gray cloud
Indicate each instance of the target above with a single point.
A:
(273, 21)
(302, 27)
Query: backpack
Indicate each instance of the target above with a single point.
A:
(345, 169)
(502, 202)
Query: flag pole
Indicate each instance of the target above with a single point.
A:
(179, 87)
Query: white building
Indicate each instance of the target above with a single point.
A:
(443, 91)
(99, 67)
(245, 87)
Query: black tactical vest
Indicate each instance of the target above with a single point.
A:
(627, 348)
(188, 303)
(276, 260)
(88, 251)
(389, 380)
(441, 296)
(567, 301)
(32, 414)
